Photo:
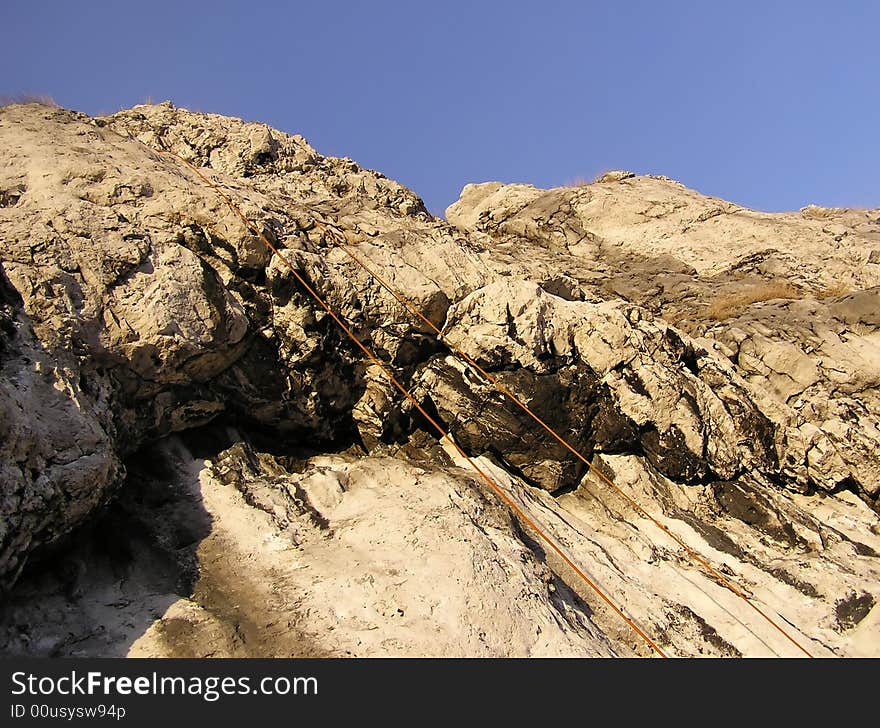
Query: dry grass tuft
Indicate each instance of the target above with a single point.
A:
(838, 289)
(42, 99)
(607, 175)
(731, 304)
(578, 182)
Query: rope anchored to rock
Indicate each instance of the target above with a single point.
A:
(444, 435)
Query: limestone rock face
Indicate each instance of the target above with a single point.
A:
(57, 452)
(612, 379)
(826, 371)
(250, 554)
(174, 405)
(154, 294)
(651, 217)
(790, 299)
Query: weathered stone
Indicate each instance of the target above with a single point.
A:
(579, 363)
(719, 364)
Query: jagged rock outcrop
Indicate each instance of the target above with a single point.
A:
(156, 297)
(791, 299)
(57, 453)
(614, 379)
(658, 221)
(721, 364)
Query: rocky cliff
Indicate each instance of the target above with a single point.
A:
(195, 460)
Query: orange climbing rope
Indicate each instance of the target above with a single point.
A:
(443, 434)
(504, 390)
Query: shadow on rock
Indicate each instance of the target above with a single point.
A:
(98, 590)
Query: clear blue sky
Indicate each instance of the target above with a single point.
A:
(773, 105)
